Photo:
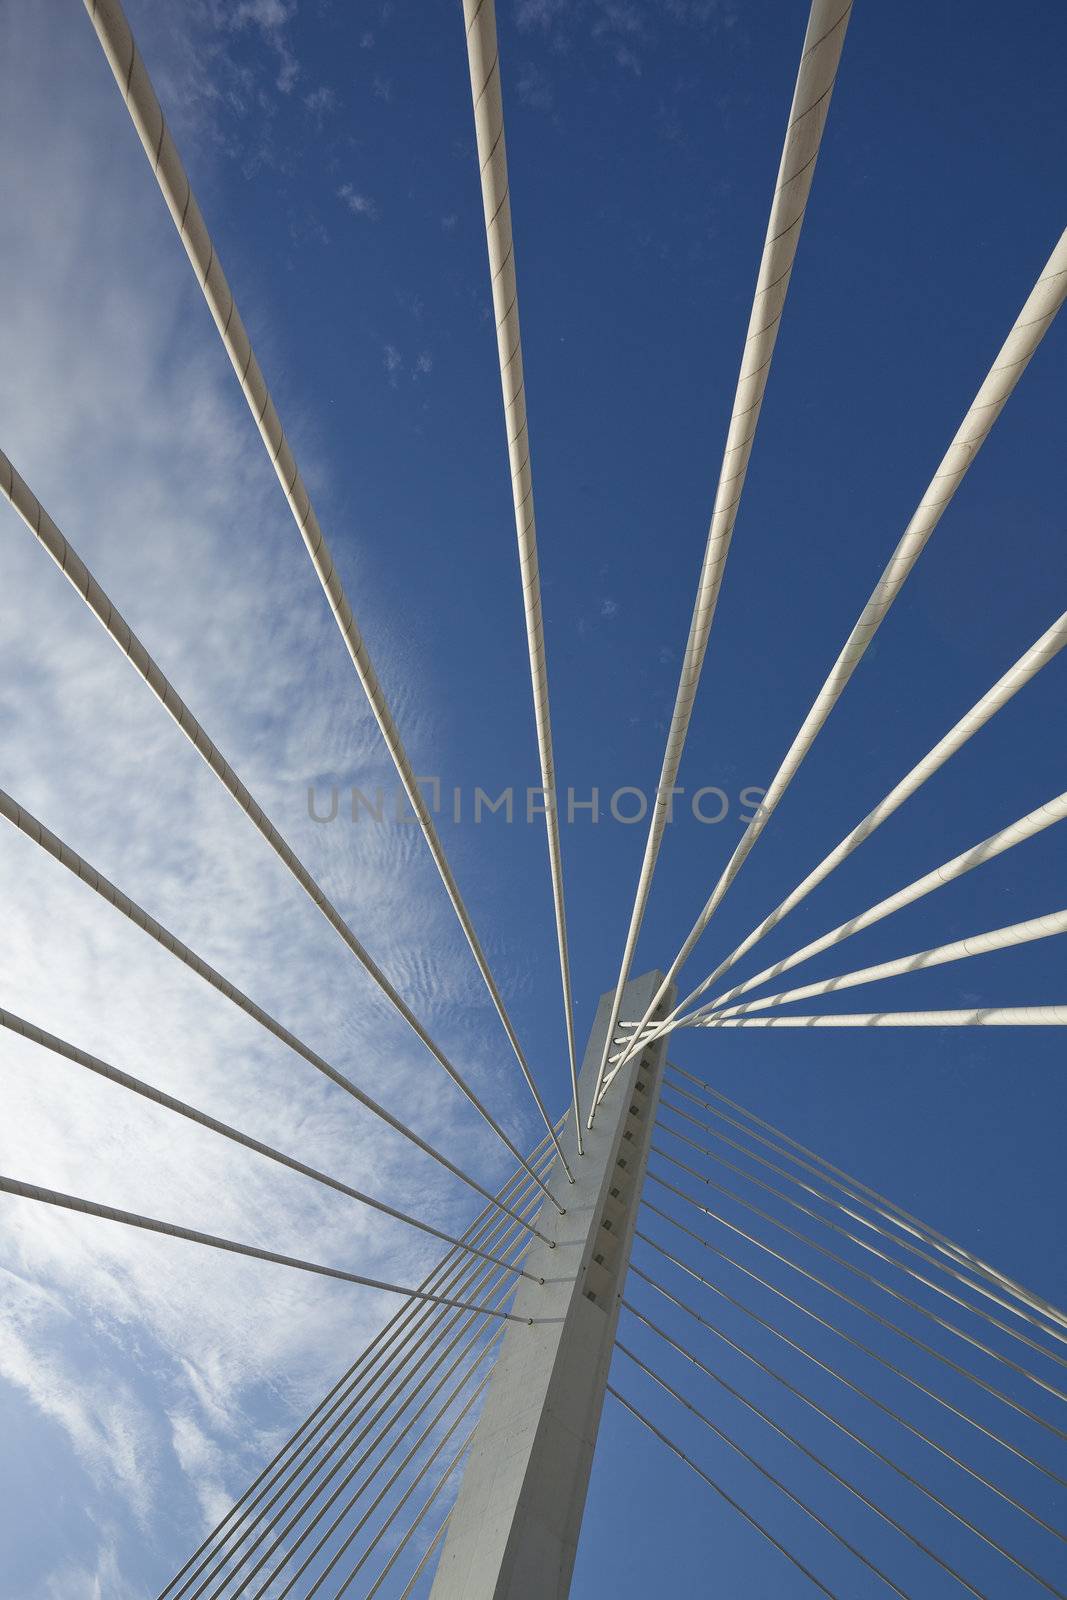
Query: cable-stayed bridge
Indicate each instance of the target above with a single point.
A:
(453, 1456)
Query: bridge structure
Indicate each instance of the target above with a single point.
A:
(453, 1456)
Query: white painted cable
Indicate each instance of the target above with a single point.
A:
(785, 1433)
(978, 1017)
(856, 1344)
(977, 944)
(408, 1492)
(1029, 664)
(880, 1203)
(820, 56)
(1031, 325)
(832, 1200)
(90, 1208)
(355, 1382)
(131, 75)
(719, 1490)
(397, 1389)
(880, 1256)
(831, 1371)
(104, 1069)
(1012, 1297)
(858, 1305)
(34, 829)
(420, 1514)
(66, 558)
(322, 1503)
(1026, 827)
(483, 60)
(430, 1548)
(821, 1411)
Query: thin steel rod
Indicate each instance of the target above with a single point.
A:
(944, 1261)
(720, 1491)
(770, 1476)
(1024, 828)
(816, 74)
(915, 1483)
(104, 1069)
(90, 1208)
(976, 944)
(913, 1305)
(445, 1274)
(428, 1332)
(865, 1244)
(1029, 664)
(1014, 356)
(885, 1209)
(484, 63)
(28, 824)
(424, 1508)
(454, 1331)
(131, 75)
(353, 1499)
(833, 1372)
(448, 1274)
(68, 561)
(471, 1400)
(434, 1542)
(1054, 1016)
(375, 1444)
(857, 1305)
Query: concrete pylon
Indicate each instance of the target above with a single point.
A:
(513, 1534)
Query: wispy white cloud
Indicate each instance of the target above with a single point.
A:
(393, 362)
(360, 205)
(321, 102)
(166, 1371)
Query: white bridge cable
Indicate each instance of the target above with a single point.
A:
(976, 944)
(946, 1261)
(1031, 325)
(1051, 1016)
(453, 1331)
(720, 1491)
(820, 57)
(450, 1273)
(876, 1228)
(445, 1274)
(484, 63)
(887, 1208)
(1027, 667)
(34, 829)
(393, 1395)
(410, 1490)
(430, 1548)
(854, 1343)
(82, 1058)
(784, 1433)
(865, 1310)
(1016, 833)
(829, 1416)
(66, 558)
(90, 1208)
(426, 1330)
(475, 1342)
(131, 75)
(879, 1255)
(869, 1278)
(409, 1532)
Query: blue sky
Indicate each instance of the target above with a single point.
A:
(332, 151)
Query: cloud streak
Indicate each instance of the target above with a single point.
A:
(168, 1372)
